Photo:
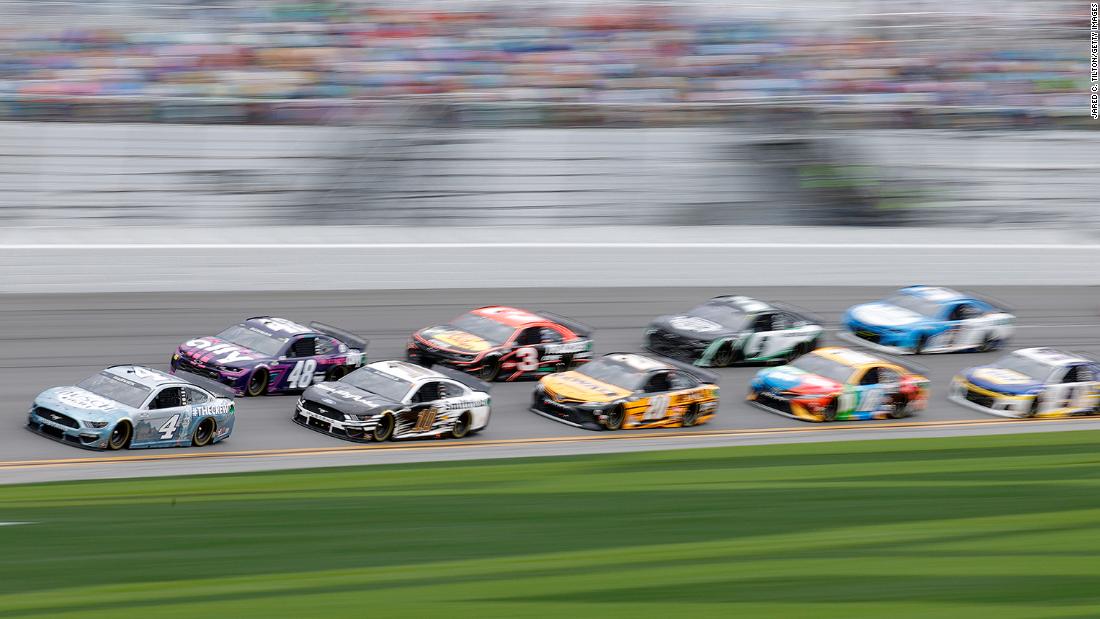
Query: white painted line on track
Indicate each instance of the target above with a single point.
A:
(13, 524)
(547, 245)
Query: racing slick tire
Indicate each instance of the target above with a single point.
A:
(615, 418)
(691, 416)
(383, 430)
(922, 341)
(829, 412)
(120, 436)
(901, 407)
(204, 432)
(336, 373)
(257, 383)
(490, 370)
(1035, 406)
(989, 344)
(462, 426)
(724, 356)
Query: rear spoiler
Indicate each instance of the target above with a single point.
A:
(346, 337)
(704, 375)
(470, 381)
(806, 315)
(574, 325)
(209, 384)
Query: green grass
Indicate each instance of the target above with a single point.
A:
(1005, 527)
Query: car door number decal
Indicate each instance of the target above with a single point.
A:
(658, 406)
(527, 359)
(302, 375)
(168, 429)
(425, 420)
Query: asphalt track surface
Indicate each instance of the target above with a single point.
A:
(54, 339)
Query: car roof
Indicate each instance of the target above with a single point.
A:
(277, 327)
(1050, 356)
(936, 294)
(511, 316)
(746, 305)
(846, 356)
(146, 377)
(406, 371)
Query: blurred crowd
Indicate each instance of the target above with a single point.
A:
(553, 53)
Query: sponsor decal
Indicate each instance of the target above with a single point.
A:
(85, 400)
(282, 325)
(344, 394)
(1002, 376)
(226, 352)
(453, 338)
(694, 323)
(886, 315)
(568, 347)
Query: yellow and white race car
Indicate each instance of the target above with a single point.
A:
(628, 391)
(1032, 382)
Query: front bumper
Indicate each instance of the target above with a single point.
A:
(782, 405)
(237, 381)
(564, 412)
(324, 419)
(991, 402)
(875, 344)
(80, 436)
(420, 355)
(676, 346)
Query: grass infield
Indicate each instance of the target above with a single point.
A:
(1005, 527)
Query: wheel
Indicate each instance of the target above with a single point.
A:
(204, 432)
(336, 373)
(829, 412)
(461, 427)
(989, 344)
(691, 416)
(383, 430)
(490, 371)
(901, 407)
(257, 383)
(922, 341)
(1034, 408)
(723, 357)
(120, 436)
(615, 418)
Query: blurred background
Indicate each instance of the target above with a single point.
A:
(482, 113)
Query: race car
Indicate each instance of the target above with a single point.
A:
(506, 343)
(734, 329)
(129, 406)
(272, 355)
(394, 400)
(1031, 382)
(839, 384)
(628, 390)
(928, 319)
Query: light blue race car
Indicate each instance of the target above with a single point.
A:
(128, 406)
(928, 319)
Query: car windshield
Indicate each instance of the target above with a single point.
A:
(118, 389)
(816, 364)
(722, 314)
(916, 304)
(260, 342)
(485, 328)
(1028, 367)
(385, 385)
(614, 373)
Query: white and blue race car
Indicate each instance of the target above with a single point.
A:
(132, 406)
(928, 319)
(1031, 382)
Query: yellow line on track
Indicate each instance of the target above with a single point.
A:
(427, 444)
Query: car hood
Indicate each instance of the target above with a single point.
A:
(695, 327)
(1001, 380)
(349, 399)
(581, 388)
(450, 338)
(885, 315)
(81, 404)
(216, 351)
(789, 378)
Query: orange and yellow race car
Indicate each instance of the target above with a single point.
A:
(628, 390)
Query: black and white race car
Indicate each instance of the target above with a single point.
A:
(395, 400)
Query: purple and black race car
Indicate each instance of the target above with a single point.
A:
(272, 355)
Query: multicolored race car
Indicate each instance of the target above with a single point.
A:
(272, 355)
(394, 400)
(628, 390)
(733, 329)
(839, 384)
(928, 319)
(1031, 382)
(129, 406)
(503, 342)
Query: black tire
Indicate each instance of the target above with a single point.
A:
(204, 432)
(383, 430)
(724, 356)
(922, 341)
(615, 418)
(257, 383)
(1034, 408)
(490, 370)
(337, 373)
(901, 407)
(120, 436)
(691, 416)
(462, 426)
(989, 344)
(829, 412)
